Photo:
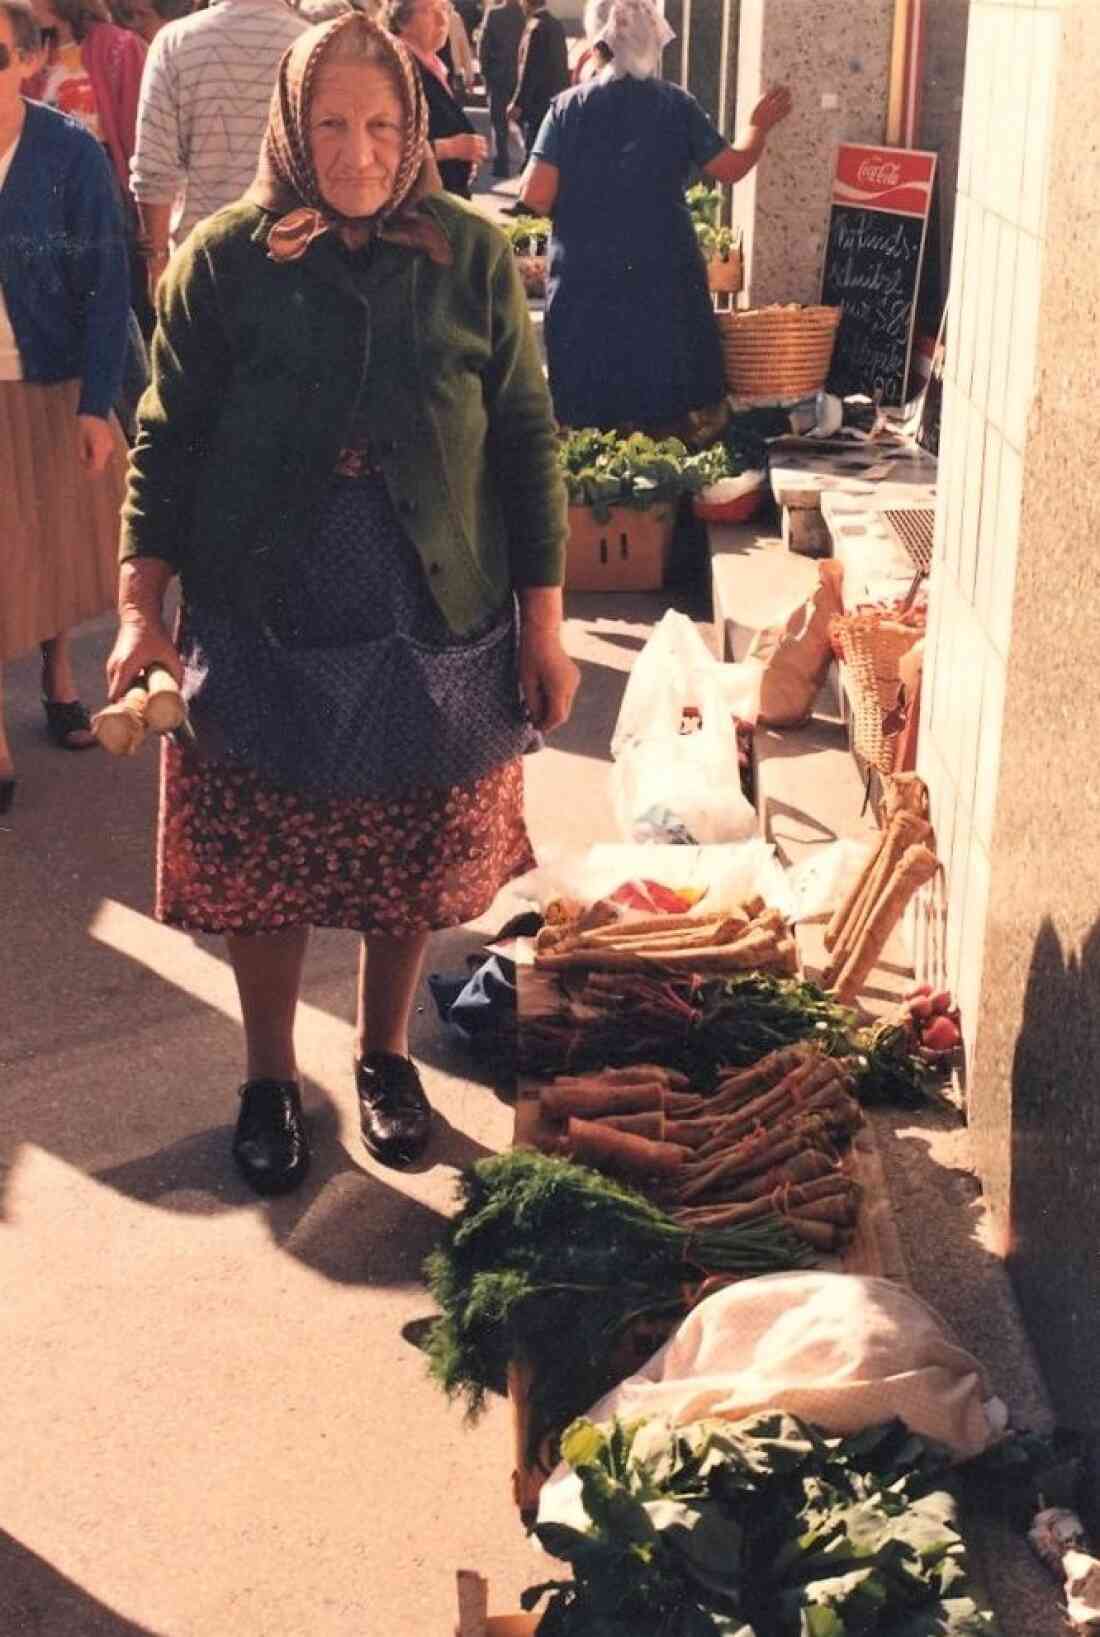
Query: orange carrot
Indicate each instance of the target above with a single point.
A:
(591, 1144)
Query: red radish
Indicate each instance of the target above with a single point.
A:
(920, 990)
(941, 1035)
(941, 1002)
(920, 1007)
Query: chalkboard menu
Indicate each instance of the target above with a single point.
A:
(873, 256)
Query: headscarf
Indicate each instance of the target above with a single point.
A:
(286, 180)
(634, 32)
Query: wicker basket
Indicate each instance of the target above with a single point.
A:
(871, 647)
(778, 352)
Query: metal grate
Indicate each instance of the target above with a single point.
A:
(913, 528)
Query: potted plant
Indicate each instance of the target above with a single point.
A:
(720, 246)
(623, 495)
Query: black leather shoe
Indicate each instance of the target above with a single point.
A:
(270, 1145)
(394, 1113)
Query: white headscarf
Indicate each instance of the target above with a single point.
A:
(634, 31)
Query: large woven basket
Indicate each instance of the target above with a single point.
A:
(778, 352)
(871, 646)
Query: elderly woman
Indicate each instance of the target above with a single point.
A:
(630, 332)
(424, 26)
(63, 314)
(347, 455)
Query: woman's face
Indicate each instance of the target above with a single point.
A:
(430, 24)
(356, 131)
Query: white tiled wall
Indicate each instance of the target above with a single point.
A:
(996, 274)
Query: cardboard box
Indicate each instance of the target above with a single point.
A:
(628, 552)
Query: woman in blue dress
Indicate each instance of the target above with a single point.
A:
(631, 337)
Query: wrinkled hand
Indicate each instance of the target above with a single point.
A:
(95, 444)
(139, 643)
(548, 677)
(774, 106)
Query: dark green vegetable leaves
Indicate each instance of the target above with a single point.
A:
(550, 1263)
(760, 1528)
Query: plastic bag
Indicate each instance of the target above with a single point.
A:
(820, 883)
(670, 675)
(683, 787)
(719, 877)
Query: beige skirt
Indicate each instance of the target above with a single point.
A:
(59, 536)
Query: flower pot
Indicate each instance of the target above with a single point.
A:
(724, 276)
(733, 500)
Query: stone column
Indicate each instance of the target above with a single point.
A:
(1034, 1080)
(836, 60)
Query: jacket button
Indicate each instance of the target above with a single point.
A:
(406, 506)
(387, 446)
(435, 568)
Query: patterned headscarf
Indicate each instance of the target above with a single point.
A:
(286, 180)
(635, 33)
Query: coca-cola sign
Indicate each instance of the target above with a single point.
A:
(879, 173)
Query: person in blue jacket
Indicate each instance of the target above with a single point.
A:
(64, 301)
(631, 337)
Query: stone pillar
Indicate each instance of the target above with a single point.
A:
(1036, 1071)
(1009, 716)
(836, 60)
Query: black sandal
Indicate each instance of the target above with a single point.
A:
(64, 717)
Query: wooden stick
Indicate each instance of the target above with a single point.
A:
(917, 866)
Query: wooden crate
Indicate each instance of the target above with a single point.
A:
(628, 552)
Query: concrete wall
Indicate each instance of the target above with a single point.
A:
(1009, 743)
(836, 60)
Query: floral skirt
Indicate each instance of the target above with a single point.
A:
(236, 853)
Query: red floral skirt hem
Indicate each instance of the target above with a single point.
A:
(238, 854)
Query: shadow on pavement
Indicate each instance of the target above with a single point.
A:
(36, 1600)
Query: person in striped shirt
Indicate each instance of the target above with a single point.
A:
(203, 111)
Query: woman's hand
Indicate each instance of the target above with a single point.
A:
(96, 443)
(140, 642)
(470, 148)
(774, 106)
(548, 677)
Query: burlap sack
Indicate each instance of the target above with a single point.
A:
(836, 1349)
(795, 656)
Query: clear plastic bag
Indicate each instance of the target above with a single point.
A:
(671, 675)
(684, 787)
(819, 884)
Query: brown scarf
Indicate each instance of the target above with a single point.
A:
(286, 180)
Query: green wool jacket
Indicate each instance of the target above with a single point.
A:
(261, 369)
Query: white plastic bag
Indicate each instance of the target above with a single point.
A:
(684, 787)
(819, 884)
(721, 877)
(670, 676)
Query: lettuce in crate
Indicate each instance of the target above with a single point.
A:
(606, 469)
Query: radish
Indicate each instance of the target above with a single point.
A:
(941, 1035)
(920, 1007)
(919, 991)
(941, 1002)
